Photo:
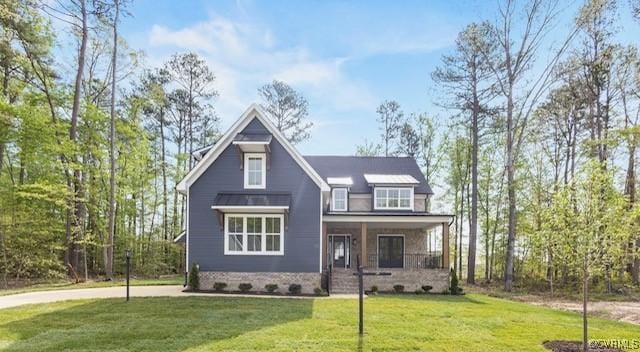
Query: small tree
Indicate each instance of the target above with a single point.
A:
(598, 222)
(454, 289)
(194, 277)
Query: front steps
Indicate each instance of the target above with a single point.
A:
(343, 281)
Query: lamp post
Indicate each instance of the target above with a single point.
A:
(128, 260)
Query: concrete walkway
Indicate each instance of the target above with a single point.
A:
(120, 291)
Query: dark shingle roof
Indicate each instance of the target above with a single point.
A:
(356, 166)
(245, 199)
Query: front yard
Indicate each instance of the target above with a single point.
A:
(397, 323)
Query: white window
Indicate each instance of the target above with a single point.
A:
(255, 170)
(393, 198)
(253, 234)
(339, 199)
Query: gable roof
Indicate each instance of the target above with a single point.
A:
(357, 166)
(254, 111)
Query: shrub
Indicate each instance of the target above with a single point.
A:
(194, 277)
(374, 289)
(427, 288)
(398, 288)
(317, 291)
(271, 288)
(219, 286)
(454, 289)
(418, 291)
(295, 289)
(244, 287)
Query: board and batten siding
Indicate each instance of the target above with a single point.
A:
(301, 237)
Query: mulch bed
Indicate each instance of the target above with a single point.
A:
(258, 293)
(573, 346)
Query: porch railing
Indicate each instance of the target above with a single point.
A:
(410, 261)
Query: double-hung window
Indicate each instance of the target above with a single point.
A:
(255, 170)
(339, 198)
(393, 198)
(254, 234)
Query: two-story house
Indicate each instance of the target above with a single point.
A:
(259, 212)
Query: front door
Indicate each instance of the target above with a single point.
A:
(390, 251)
(340, 251)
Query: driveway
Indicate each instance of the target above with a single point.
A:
(120, 291)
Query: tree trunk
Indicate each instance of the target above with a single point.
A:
(473, 217)
(511, 195)
(462, 189)
(112, 151)
(77, 212)
(165, 201)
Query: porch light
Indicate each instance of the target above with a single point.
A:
(354, 241)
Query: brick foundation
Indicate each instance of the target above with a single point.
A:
(258, 280)
(410, 279)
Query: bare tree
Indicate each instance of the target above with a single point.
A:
(111, 227)
(517, 50)
(389, 116)
(288, 109)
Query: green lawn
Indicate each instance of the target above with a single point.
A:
(67, 285)
(393, 323)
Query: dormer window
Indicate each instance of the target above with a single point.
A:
(393, 198)
(339, 199)
(255, 170)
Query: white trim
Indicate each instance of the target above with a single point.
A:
(427, 219)
(256, 111)
(250, 207)
(245, 236)
(263, 170)
(180, 236)
(187, 264)
(404, 248)
(387, 189)
(333, 199)
(347, 262)
(321, 232)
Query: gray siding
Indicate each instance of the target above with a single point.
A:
(301, 238)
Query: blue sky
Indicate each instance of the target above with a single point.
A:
(345, 57)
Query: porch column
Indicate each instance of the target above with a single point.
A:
(445, 245)
(323, 245)
(363, 244)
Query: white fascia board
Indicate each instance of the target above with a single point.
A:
(251, 142)
(250, 207)
(388, 218)
(227, 139)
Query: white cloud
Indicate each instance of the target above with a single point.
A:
(246, 56)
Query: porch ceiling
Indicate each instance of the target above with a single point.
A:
(376, 220)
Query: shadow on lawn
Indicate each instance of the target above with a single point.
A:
(148, 324)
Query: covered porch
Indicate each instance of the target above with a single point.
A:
(398, 242)
(410, 250)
